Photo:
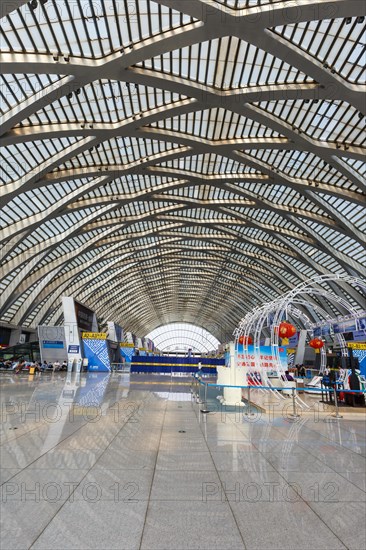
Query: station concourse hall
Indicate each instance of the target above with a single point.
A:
(182, 275)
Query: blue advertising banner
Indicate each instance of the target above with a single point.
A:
(361, 356)
(127, 351)
(96, 351)
(267, 359)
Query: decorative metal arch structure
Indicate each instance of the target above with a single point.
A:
(273, 313)
(170, 160)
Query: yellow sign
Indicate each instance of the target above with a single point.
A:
(126, 345)
(94, 335)
(356, 345)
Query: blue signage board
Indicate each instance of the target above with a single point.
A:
(359, 336)
(321, 331)
(294, 340)
(73, 348)
(348, 326)
(54, 344)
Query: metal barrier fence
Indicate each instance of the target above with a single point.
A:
(197, 394)
(121, 367)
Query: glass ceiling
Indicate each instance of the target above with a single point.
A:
(167, 161)
(182, 337)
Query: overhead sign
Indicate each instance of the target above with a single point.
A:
(73, 348)
(356, 345)
(94, 335)
(52, 344)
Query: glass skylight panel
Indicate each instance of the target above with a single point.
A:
(103, 101)
(300, 164)
(216, 124)
(325, 120)
(194, 215)
(356, 165)
(354, 213)
(92, 28)
(226, 63)
(119, 151)
(217, 164)
(15, 88)
(335, 42)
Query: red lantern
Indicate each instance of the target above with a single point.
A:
(286, 330)
(245, 340)
(316, 343)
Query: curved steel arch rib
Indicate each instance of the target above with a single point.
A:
(158, 238)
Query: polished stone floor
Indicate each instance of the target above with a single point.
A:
(130, 462)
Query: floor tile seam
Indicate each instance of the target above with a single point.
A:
(307, 504)
(59, 442)
(43, 454)
(339, 445)
(227, 500)
(74, 488)
(314, 511)
(335, 443)
(309, 452)
(152, 480)
(324, 462)
(218, 475)
(44, 423)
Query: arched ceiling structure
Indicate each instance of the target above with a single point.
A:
(174, 160)
(182, 337)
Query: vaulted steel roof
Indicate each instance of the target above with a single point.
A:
(176, 160)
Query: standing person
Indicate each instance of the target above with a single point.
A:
(302, 371)
(341, 374)
(199, 371)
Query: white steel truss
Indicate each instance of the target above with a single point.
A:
(180, 161)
